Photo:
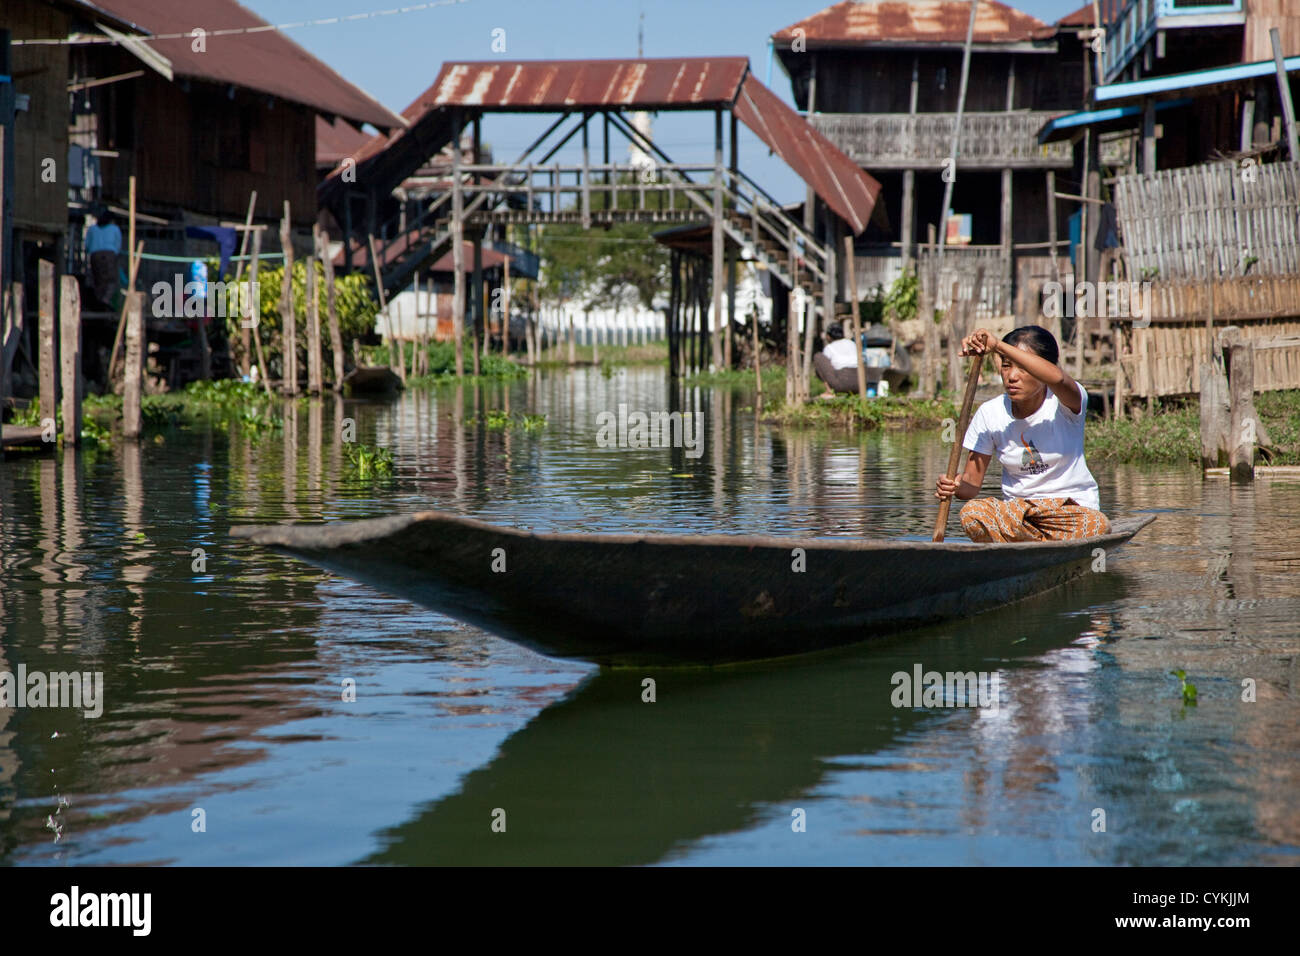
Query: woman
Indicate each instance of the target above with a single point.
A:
(1036, 428)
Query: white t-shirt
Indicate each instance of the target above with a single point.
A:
(1042, 455)
(842, 354)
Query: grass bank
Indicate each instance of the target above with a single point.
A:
(1172, 435)
(899, 412)
(651, 353)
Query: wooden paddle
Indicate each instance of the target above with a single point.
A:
(954, 457)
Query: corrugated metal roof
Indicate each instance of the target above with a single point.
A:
(1083, 17)
(853, 23)
(659, 84)
(838, 180)
(267, 61)
(555, 86)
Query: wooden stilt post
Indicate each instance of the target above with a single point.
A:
(851, 276)
(1243, 434)
(1215, 414)
(288, 316)
(254, 266)
(1284, 91)
(505, 307)
(479, 320)
(133, 268)
(245, 346)
(458, 247)
(758, 373)
(717, 257)
(331, 308)
(395, 361)
(313, 317)
(133, 370)
(48, 383)
(12, 338)
(573, 355)
(70, 357)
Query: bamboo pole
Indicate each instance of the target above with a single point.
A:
(758, 374)
(134, 368)
(133, 253)
(48, 384)
(394, 359)
(852, 278)
(331, 308)
(244, 344)
(288, 318)
(458, 248)
(70, 357)
(254, 266)
(314, 357)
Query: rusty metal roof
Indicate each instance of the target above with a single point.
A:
(555, 86)
(838, 180)
(660, 84)
(1083, 17)
(267, 60)
(939, 22)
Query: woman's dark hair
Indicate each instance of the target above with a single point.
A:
(834, 332)
(1036, 339)
(102, 216)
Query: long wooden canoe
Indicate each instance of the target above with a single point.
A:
(621, 598)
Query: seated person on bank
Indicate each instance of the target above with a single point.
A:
(1036, 430)
(837, 364)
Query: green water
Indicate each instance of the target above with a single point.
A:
(224, 678)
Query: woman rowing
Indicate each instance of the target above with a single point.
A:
(1036, 428)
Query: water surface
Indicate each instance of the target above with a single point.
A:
(225, 677)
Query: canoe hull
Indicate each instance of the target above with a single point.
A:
(666, 598)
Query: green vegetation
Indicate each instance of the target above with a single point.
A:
(851, 411)
(442, 364)
(368, 462)
(1188, 689)
(651, 353)
(1172, 434)
(495, 419)
(353, 301)
(773, 378)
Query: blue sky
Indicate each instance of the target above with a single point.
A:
(395, 58)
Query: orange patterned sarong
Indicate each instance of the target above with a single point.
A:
(1030, 519)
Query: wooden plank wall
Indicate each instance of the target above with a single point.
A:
(1261, 15)
(1166, 359)
(1235, 299)
(42, 131)
(201, 151)
(1177, 221)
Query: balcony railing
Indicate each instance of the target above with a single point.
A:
(1138, 20)
(924, 140)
